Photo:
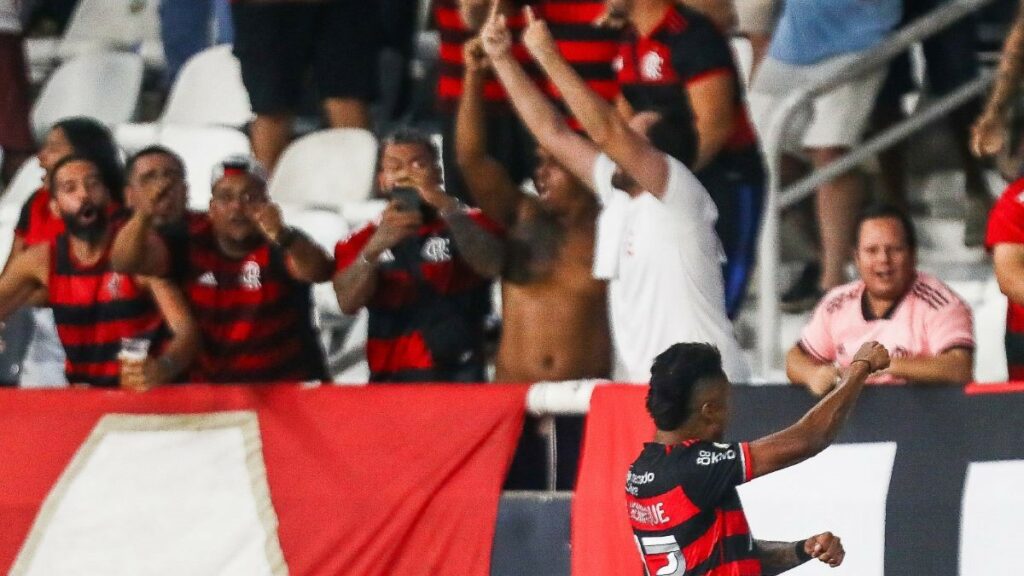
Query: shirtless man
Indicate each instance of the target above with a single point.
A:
(554, 311)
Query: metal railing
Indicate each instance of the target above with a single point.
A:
(779, 198)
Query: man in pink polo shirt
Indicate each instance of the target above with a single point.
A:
(925, 325)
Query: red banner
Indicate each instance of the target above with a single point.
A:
(617, 426)
(327, 480)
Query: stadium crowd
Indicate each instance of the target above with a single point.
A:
(637, 228)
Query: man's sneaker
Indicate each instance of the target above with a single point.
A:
(804, 293)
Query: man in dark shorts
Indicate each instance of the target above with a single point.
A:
(674, 57)
(279, 42)
(681, 491)
(247, 275)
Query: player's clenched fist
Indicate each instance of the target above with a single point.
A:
(874, 354)
(826, 547)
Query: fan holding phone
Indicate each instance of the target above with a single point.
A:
(427, 305)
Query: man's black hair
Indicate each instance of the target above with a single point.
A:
(407, 135)
(92, 141)
(52, 176)
(881, 210)
(674, 133)
(675, 375)
(129, 165)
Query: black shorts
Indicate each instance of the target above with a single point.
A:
(279, 44)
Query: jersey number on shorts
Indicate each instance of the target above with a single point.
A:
(662, 555)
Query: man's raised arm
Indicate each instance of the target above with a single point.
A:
(612, 134)
(137, 249)
(546, 124)
(819, 427)
(486, 179)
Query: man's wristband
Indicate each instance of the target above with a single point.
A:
(801, 554)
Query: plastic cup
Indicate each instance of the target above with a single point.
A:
(133, 354)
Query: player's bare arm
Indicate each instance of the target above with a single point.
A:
(24, 280)
(778, 557)
(573, 151)
(184, 343)
(609, 131)
(954, 366)
(486, 179)
(819, 427)
(802, 368)
(713, 101)
(988, 132)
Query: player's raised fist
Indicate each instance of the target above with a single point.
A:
(874, 354)
(826, 547)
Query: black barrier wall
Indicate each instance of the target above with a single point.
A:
(939, 431)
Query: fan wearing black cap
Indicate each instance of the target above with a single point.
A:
(681, 489)
(247, 275)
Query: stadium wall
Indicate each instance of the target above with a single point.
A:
(356, 481)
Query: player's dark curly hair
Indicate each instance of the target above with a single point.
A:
(675, 375)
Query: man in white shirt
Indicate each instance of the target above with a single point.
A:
(656, 242)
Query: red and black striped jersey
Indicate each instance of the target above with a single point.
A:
(590, 50)
(685, 47)
(94, 308)
(423, 288)
(37, 223)
(255, 319)
(685, 512)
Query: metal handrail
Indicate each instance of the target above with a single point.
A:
(779, 198)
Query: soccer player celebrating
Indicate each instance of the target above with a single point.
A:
(681, 490)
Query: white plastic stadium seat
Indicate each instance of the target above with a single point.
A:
(102, 85)
(209, 91)
(326, 169)
(114, 24)
(202, 147)
(743, 54)
(26, 181)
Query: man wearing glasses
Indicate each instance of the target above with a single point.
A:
(247, 276)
